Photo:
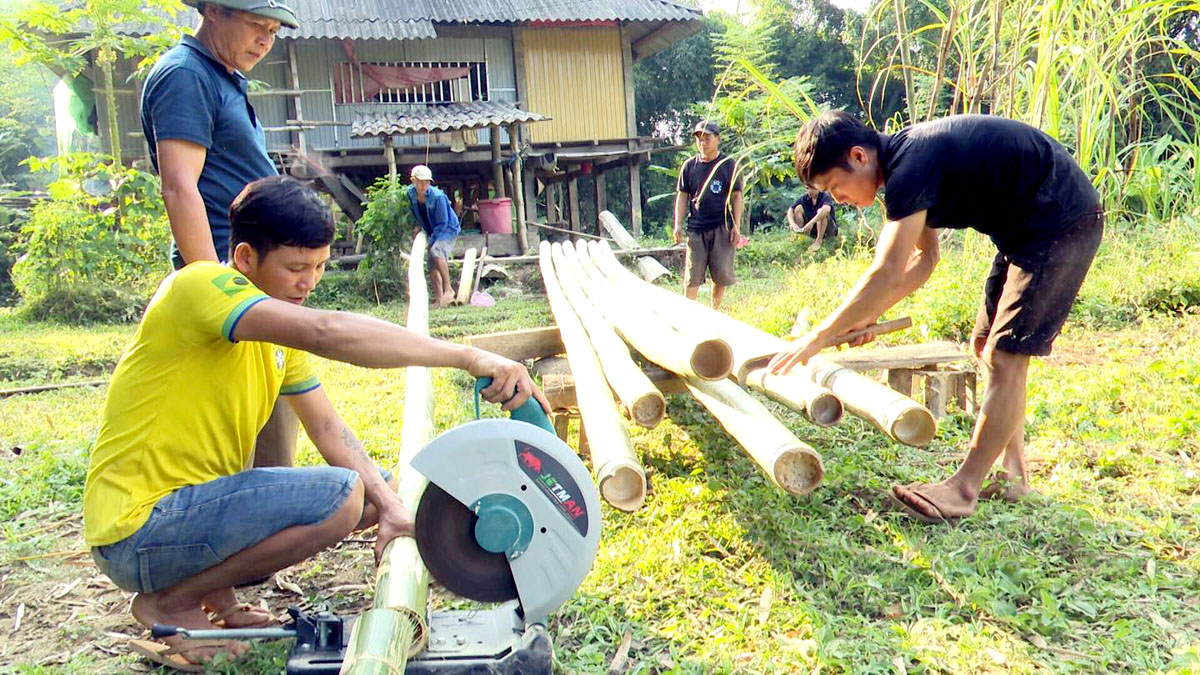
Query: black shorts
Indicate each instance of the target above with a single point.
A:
(709, 251)
(1028, 295)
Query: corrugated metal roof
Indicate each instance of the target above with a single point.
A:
(441, 118)
(415, 19)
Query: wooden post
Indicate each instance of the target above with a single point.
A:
(518, 193)
(497, 167)
(635, 197)
(573, 203)
(530, 201)
(601, 195)
(297, 112)
(390, 151)
(619, 475)
(553, 204)
(468, 276)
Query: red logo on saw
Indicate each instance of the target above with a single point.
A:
(531, 461)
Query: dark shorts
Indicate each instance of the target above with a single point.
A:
(709, 251)
(199, 526)
(1028, 295)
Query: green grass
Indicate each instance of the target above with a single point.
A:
(721, 572)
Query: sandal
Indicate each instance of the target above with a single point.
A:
(221, 619)
(174, 657)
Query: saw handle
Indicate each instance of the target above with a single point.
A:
(530, 411)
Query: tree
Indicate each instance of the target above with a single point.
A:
(669, 82)
(66, 40)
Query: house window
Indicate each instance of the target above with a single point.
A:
(410, 82)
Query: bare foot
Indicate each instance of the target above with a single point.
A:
(935, 501)
(1005, 488)
(148, 611)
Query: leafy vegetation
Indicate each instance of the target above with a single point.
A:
(97, 247)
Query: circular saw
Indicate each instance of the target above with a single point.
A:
(510, 513)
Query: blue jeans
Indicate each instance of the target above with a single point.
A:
(199, 526)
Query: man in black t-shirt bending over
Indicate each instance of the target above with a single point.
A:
(709, 192)
(1005, 179)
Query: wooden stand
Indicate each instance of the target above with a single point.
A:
(943, 387)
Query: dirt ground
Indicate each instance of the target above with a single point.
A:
(56, 608)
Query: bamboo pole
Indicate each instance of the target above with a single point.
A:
(396, 626)
(749, 344)
(633, 317)
(643, 402)
(896, 415)
(790, 463)
(648, 266)
(468, 276)
(619, 475)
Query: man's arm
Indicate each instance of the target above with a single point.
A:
(338, 445)
(904, 258)
(736, 203)
(681, 209)
(372, 343)
(791, 219)
(179, 164)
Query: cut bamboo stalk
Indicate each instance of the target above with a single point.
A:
(790, 463)
(468, 276)
(396, 627)
(619, 474)
(657, 340)
(749, 345)
(643, 402)
(648, 266)
(896, 415)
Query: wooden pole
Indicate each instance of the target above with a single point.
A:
(648, 266)
(573, 203)
(635, 197)
(468, 275)
(396, 627)
(497, 166)
(643, 402)
(645, 331)
(518, 195)
(390, 151)
(790, 463)
(619, 475)
(600, 190)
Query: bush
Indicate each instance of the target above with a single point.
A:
(97, 248)
(11, 221)
(387, 221)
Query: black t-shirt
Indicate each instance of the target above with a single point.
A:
(1003, 178)
(808, 210)
(712, 209)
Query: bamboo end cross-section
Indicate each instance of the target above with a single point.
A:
(619, 474)
(396, 627)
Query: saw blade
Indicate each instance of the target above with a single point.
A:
(445, 534)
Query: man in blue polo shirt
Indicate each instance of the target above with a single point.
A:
(207, 144)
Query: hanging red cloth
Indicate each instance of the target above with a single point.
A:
(351, 88)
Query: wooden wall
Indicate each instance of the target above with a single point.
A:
(577, 77)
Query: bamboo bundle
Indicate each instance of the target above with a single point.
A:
(789, 462)
(705, 358)
(749, 345)
(396, 628)
(648, 266)
(619, 474)
(896, 415)
(467, 280)
(643, 402)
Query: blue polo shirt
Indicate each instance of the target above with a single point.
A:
(190, 96)
(436, 216)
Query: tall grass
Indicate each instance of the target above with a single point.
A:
(1108, 78)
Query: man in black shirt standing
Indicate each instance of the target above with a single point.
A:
(812, 214)
(1005, 179)
(709, 192)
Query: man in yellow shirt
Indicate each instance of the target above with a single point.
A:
(170, 510)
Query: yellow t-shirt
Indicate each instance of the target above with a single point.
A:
(186, 401)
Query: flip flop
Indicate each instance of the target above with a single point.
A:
(914, 513)
(221, 619)
(174, 657)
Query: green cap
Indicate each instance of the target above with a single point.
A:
(272, 9)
